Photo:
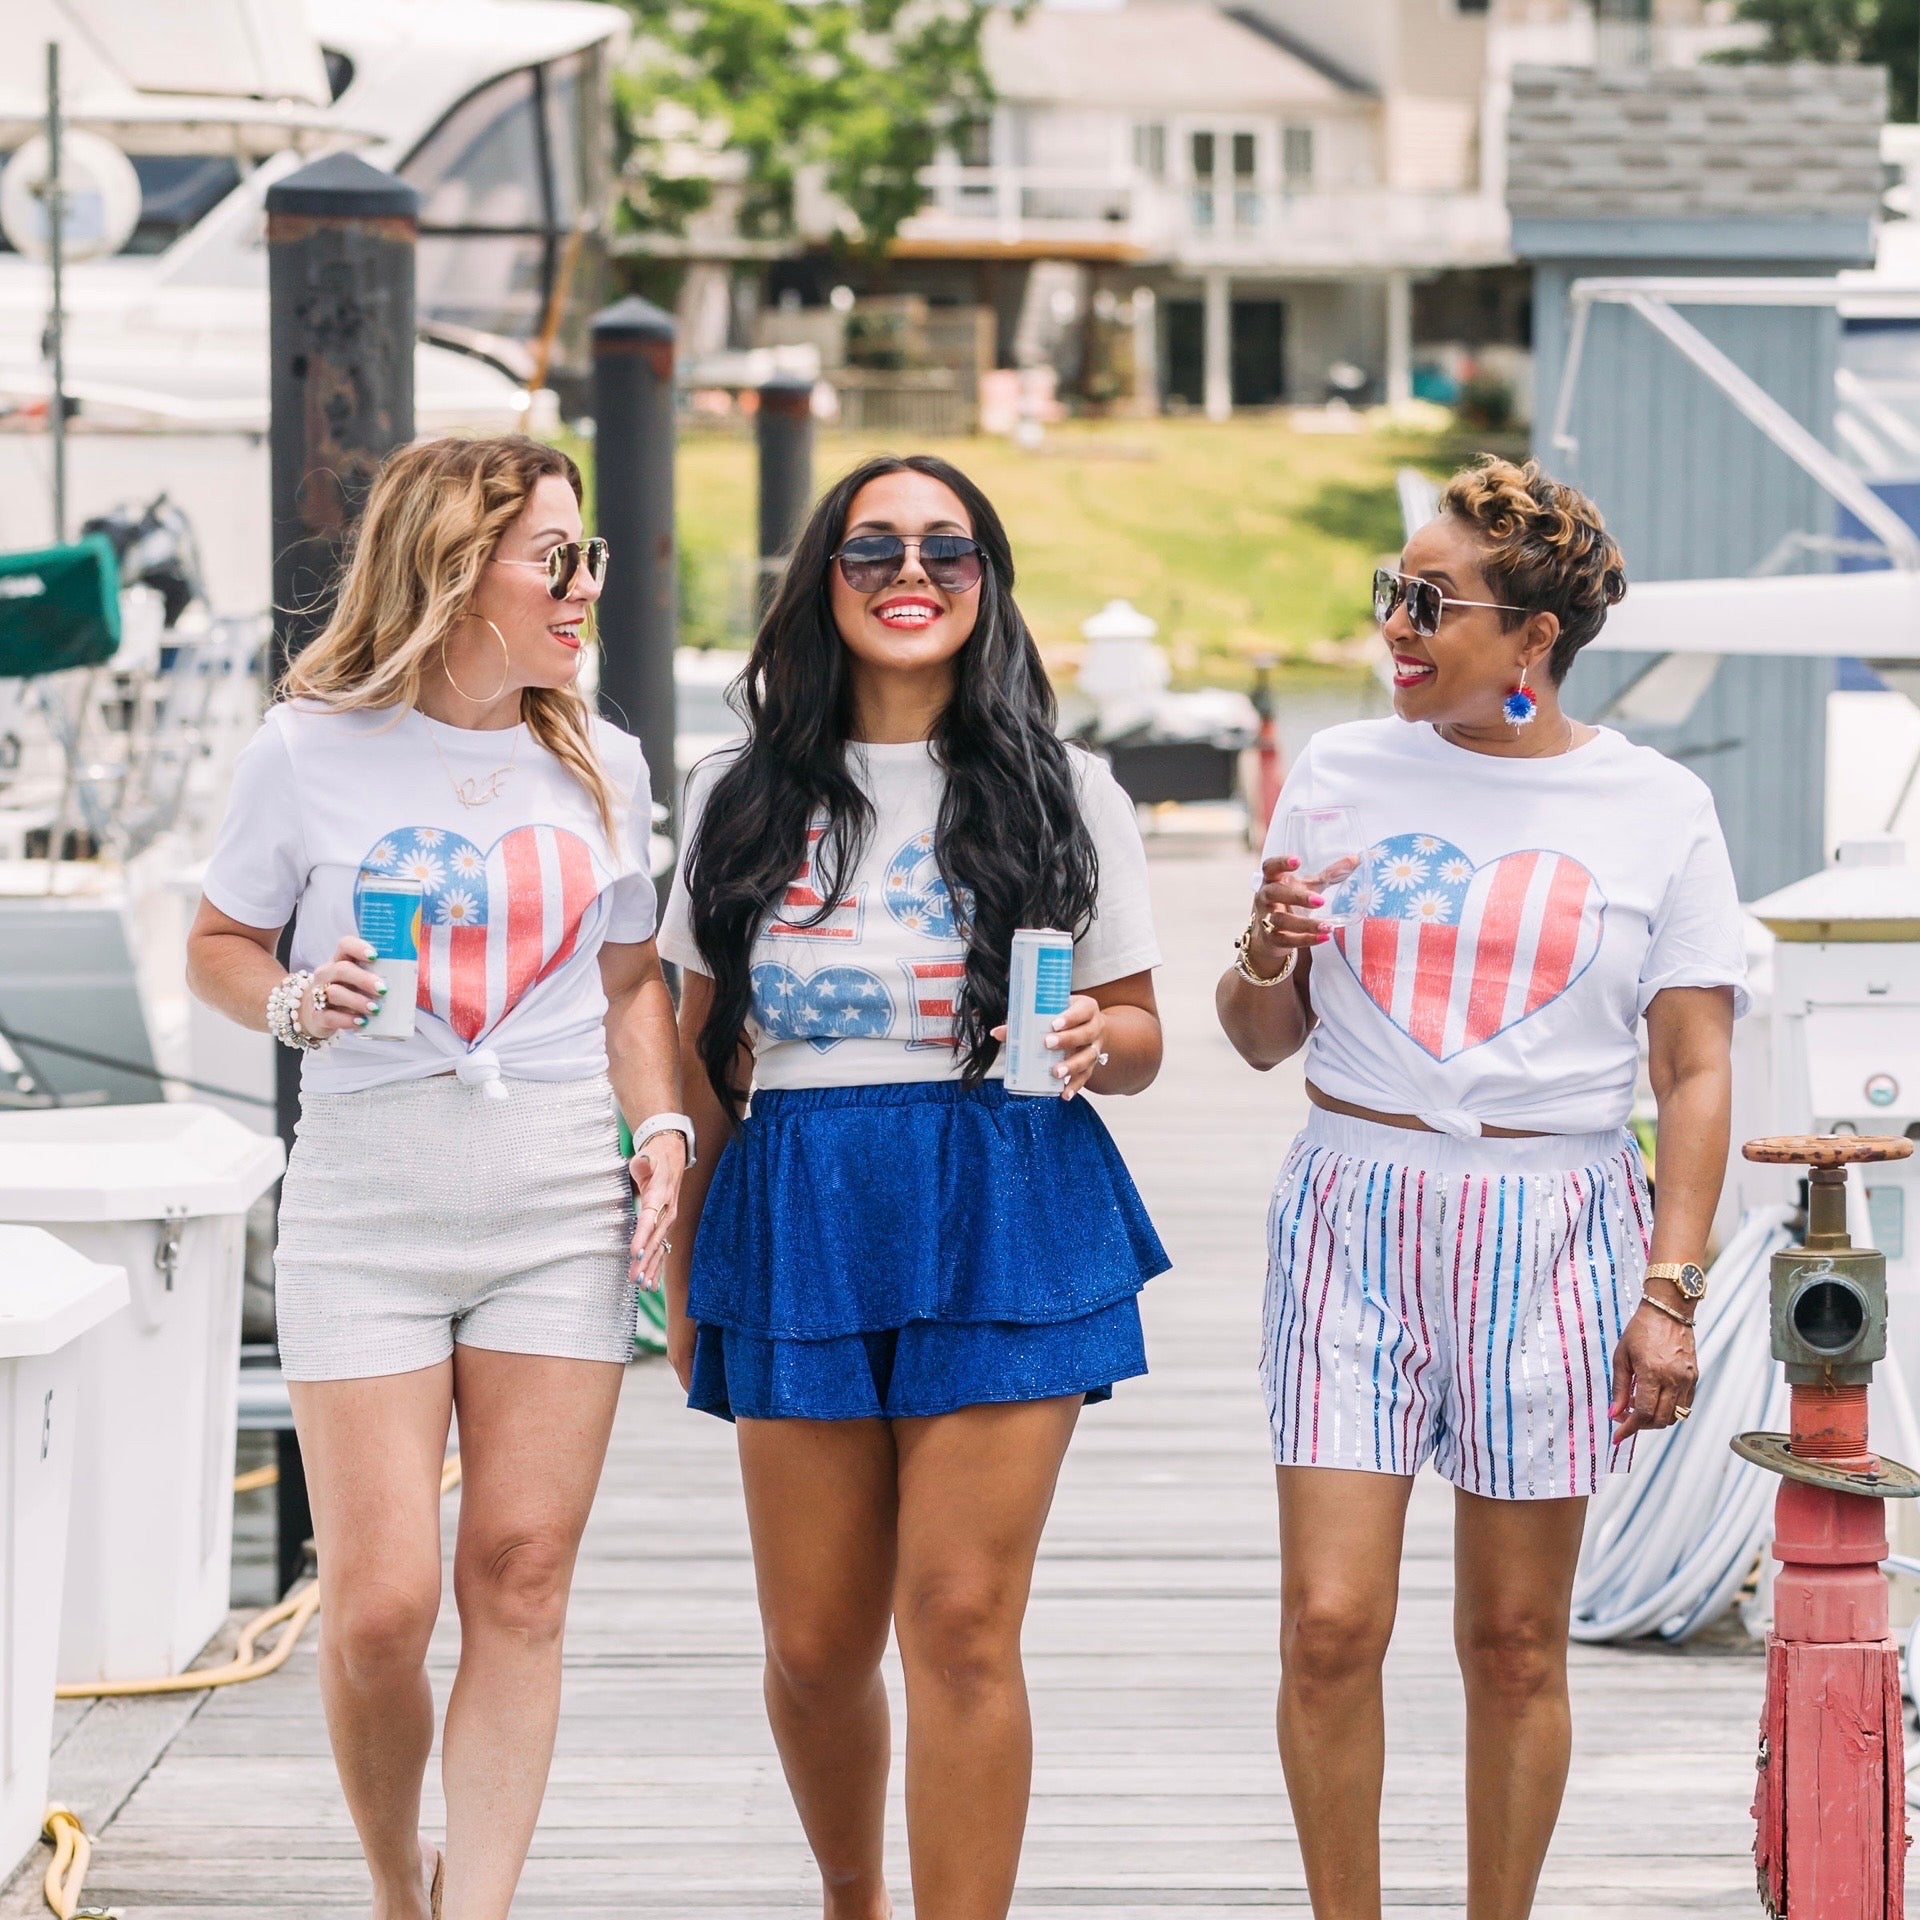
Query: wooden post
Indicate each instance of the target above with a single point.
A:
(633, 467)
(783, 429)
(340, 248)
(340, 245)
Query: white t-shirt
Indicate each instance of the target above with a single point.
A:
(1523, 915)
(520, 893)
(867, 997)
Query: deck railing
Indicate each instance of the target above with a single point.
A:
(1228, 223)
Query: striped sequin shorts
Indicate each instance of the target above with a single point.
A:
(1450, 1299)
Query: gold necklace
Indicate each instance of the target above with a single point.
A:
(480, 788)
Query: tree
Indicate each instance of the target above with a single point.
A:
(1878, 33)
(745, 95)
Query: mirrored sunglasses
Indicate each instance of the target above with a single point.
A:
(1424, 602)
(566, 560)
(870, 561)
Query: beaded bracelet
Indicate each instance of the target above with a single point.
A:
(283, 1010)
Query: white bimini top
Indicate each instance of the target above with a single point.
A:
(1523, 915)
(865, 997)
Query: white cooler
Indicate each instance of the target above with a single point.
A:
(49, 1298)
(162, 1191)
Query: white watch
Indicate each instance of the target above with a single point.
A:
(665, 1123)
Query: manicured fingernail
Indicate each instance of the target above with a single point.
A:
(1314, 900)
(1321, 938)
(361, 1022)
(1053, 1040)
(1057, 1025)
(381, 988)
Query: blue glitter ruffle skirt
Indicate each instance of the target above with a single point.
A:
(916, 1247)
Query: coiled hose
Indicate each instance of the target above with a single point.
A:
(1669, 1545)
(72, 1850)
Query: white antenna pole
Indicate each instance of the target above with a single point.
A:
(56, 204)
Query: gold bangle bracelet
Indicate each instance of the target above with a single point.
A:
(1243, 967)
(1672, 1313)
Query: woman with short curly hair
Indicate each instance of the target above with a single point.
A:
(1465, 1264)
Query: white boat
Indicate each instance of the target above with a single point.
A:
(492, 108)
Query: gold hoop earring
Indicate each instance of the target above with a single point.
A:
(506, 668)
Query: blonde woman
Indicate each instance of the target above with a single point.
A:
(457, 1230)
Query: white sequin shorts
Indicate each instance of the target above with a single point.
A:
(418, 1215)
(1459, 1300)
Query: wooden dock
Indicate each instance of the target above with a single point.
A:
(1151, 1644)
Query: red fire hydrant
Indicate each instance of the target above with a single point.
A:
(1830, 1804)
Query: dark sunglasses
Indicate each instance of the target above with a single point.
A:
(565, 561)
(870, 561)
(1423, 601)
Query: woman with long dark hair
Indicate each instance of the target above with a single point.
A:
(906, 1281)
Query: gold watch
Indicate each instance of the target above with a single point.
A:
(1684, 1274)
(1243, 966)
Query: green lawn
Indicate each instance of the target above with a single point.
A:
(1240, 538)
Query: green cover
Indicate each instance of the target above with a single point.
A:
(59, 608)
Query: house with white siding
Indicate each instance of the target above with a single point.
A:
(1273, 187)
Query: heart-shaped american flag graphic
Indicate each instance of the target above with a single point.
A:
(1455, 955)
(493, 923)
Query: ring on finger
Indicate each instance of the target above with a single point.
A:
(1266, 924)
(1682, 1413)
(1103, 1059)
(319, 997)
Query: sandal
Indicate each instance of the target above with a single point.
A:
(439, 1878)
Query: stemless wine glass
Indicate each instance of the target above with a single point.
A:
(1335, 861)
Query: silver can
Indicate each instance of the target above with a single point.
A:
(1039, 985)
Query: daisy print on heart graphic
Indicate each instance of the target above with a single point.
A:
(1402, 871)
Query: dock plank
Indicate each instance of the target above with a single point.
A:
(1151, 1643)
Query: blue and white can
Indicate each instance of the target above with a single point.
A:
(387, 915)
(1039, 985)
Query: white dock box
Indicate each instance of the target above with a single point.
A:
(50, 1298)
(163, 1192)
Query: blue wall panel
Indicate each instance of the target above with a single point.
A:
(1692, 490)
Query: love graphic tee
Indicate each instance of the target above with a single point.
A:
(1519, 918)
(866, 996)
(519, 893)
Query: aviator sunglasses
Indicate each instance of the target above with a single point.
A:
(1423, 601)
(870, 561)
(565, 561)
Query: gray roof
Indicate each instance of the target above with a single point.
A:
(1716, 140)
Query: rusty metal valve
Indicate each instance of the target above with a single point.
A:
(1829, 1321)
(1829, 1804)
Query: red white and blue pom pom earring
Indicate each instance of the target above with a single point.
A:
(1520, 706)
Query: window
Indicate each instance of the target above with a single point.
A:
(1201, 153)
(339, 70)
(176, 191)
(563, 97)
(1150, 149)
(1246, 186)
(503, 179)
(1296, 158)
(973, 143)
(482, 166)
